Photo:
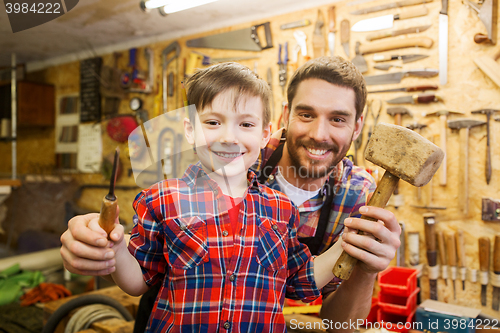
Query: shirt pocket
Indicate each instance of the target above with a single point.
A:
(186, 242)
(272, 250)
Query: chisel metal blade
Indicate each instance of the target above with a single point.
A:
(483, 294)
(496, 298)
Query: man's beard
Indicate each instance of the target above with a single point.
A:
(314, 171)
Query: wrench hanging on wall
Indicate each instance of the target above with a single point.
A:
(174, 48)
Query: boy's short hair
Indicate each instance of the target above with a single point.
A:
(206, 84)
(334, 70)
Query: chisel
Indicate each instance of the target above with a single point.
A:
(442, 256)
(430, 242)
(452, 260)
(484, 266)
(495, 278)
(414, 259)
(459, 236)
(110, 201)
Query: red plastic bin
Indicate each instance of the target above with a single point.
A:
(395, 323)
(400, 281)
(400, 305)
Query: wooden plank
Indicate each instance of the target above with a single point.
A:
(10, 182)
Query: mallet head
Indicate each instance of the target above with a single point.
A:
(404, 153)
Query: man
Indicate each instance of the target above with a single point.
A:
(306, 161)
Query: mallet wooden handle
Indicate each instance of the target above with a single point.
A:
(345, 264)
(484, 254)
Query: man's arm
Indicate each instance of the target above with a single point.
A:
(374, 250)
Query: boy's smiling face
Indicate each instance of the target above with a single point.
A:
(229, 134)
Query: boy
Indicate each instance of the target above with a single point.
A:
(223, 247)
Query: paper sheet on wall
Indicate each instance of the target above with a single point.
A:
(89, 148)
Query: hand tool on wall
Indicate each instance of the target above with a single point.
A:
(495, 277)
(359, 140)
(489, 67)
(369, 110)
(416, 99)
(386, 67)
(295, 24)
(406, 58)
(407, 89)
(414, 256)
(392, 5)
(400, 253)
(490, 210)
(359, 61)
(318, 39)
(420, 161)
(488, 14)
(300, 38)
(443, 115)
(488, 113)
(110, 201)
(394, 33)
(430, 242)
(387, 45)
(396, 77)
(175, 49)
(462, 264)
(244, 39)
(270, 83)
(443, 43)
(331, 30)
(464, 126)
(484, 266)
(442, 256)
(417, 128)
(344, 36)
(387, 21)
(282, 71)
(145, 85)
(209, 60)
(452, 259)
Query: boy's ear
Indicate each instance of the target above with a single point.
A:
(189, 131)
(266, 135)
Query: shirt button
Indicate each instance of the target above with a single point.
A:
(232, 277)
(271, 177)
(275, 227)
(227, 325)
(225, 233)
(183, 227)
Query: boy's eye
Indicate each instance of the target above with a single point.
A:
(247, 125)
(212, 122)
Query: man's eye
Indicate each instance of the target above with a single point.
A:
(305, 115)
(337, 120)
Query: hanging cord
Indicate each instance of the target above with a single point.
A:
(87, 315)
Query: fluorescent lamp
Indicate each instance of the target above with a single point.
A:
(172, 6)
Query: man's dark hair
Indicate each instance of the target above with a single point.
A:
(334, 70)
(206, 84)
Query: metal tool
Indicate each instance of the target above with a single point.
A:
(359, 61)
(406, 58)
(496, 277)
(396, 77)
(452, 259)
(488, 14)
(443, 43)
(270, 83)
(392, 5)
(244, 39)
(490, 67)
(282, 71)
(484, 266)
(442, 256)
(462, 264)
(331, 30)
(359, 140)
(174, 48)
(414, 256)
(387, 21)
(369, 111)
(488, 113)
(416, 166)
(209, 60)
(465, 125)
(295, 24)
(344, 36)
(407, 89)
(386, 67)
(400, 252)
(394, 33)
(387, 45)
(430, 242)
(318, 40)
(110, 201)
(490, 210)
(443, 117)
(416, 99)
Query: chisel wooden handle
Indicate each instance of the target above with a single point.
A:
(484, 254)
(496, 255)
(460, 248)
(331, 19)
(442, 248)
(396, 44)
(420, 11)
(450, 249)
(108, 214)
(344, 31)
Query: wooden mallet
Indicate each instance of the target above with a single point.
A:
(404, 154)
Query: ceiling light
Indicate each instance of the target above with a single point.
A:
(172, 6)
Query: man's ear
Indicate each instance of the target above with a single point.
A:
(189, 131)
(286, 116)
(266, 135)
(358, 127)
